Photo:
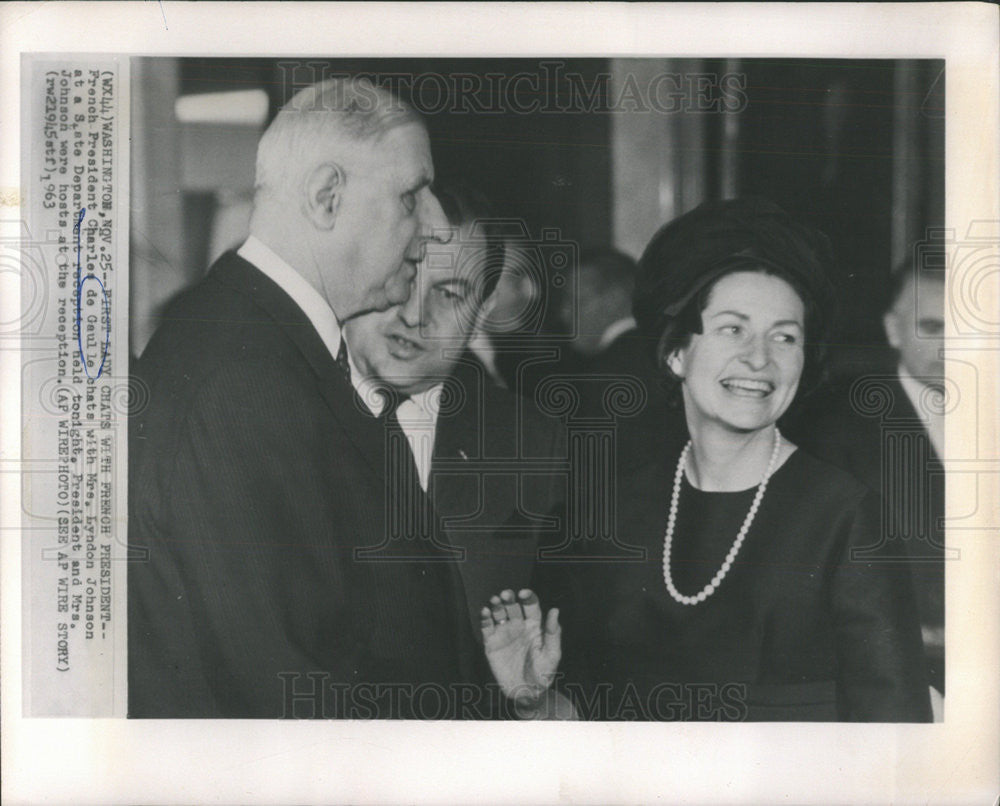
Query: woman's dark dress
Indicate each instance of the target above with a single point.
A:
(798, 630)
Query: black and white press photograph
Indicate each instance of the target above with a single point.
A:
(589, 389)
(499, 402)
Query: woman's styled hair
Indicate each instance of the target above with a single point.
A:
(690, 254)
(688, 322)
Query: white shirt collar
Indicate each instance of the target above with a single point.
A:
(317, 310)
(426, 402)
(614, 330)
(927, 408)
(420, 406)
(417, 417)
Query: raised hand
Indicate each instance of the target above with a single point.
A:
(523, 655)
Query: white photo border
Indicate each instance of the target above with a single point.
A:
(146, 761)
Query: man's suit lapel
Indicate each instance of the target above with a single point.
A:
(475, 504)
(458, 439)
(903, 411)
(365, 431)
(923, 493)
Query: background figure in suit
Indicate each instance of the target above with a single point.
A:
(896, 445)
(486, 458)
(255, 477)
(608, 345)
(601, 312)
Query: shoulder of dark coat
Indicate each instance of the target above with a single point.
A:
(220, 319)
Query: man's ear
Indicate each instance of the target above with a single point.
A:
(890, 323)
(323, 189)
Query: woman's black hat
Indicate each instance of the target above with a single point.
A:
(692, 251)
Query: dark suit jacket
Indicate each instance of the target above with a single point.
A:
(498, 482)
(254, 476)
(657, 428)
(871, 430)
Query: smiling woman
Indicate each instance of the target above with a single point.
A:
(743, 370)
(750, 602)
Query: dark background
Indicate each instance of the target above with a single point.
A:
(853, 147)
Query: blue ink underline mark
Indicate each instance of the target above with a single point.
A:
(79, 300)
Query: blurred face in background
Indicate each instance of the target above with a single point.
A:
(515, 301)
(914, 326)
(415, 345)
(596, 305)
(742, 371)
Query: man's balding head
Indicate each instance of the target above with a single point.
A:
(328, 120)
(343, 193)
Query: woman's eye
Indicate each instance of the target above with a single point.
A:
(731, 330)
(786, 338)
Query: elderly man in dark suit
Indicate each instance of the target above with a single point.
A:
(257, 482)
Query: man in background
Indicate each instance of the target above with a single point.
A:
(608, 351)
(888, 430)
(601, 313)
(490, 464)
(256, 483)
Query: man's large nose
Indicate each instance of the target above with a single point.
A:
(434, 223)
(410, 311)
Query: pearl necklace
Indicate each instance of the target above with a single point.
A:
(668, 538)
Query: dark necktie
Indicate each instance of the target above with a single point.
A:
(410, 503)
(342, 362)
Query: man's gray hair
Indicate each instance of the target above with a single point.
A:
(320, 119)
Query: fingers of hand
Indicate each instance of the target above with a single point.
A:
(532, 607)
(504, 607)
(553, 637)
(497, 610)
(486, 621)
(511, 606)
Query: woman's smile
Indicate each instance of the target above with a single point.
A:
(743, 369)
(748, 387)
